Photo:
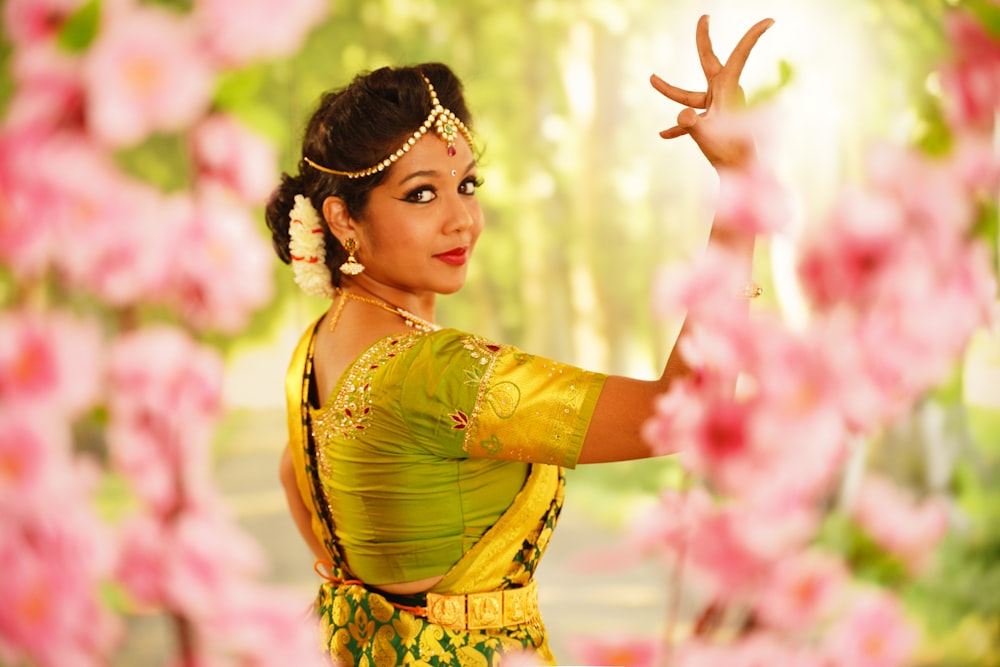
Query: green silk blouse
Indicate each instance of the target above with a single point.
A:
(427, 438)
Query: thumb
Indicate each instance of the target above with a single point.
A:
(687, 118)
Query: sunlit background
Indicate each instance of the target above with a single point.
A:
(584, 201)
(585, 205)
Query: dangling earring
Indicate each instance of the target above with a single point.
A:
(352, 266)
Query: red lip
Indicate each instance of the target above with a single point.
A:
(455, 256)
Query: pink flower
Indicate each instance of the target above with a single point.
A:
(971, 80)
(191, 563)
(222, 267)
(846, 260)
(236, 34)
(268, 626)
(26, 218)
(752, 200)
(755, 650)
(145, 74)
(141, 566)
(49, 90)
(707, 287)
(209, 556)
(620, 651)
(727, 546)
(230, 153)
(51, 361)
(782, 438)
(898, 522)
(164, 402)
(54, 554)
(30, 21)
(802, 590)
(123, 260)
(873, 633)
(38, 472)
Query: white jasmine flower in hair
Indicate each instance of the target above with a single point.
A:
(308, 250)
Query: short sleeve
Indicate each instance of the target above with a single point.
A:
(464, 396)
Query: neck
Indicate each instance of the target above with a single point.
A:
(412, 319)
(420, 304)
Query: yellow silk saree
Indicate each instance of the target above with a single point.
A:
(485, 607)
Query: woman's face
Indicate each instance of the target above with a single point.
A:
(422, 222)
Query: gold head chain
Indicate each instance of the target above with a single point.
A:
(445, 123)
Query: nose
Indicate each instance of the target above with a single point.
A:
(462, 212)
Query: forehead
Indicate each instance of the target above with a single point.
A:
(431, 156)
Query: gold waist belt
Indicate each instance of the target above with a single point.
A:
(481, 611)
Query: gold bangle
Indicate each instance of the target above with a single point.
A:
(752, 290)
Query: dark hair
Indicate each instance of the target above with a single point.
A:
(352, 129)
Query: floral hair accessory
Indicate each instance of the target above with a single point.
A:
(308, 250)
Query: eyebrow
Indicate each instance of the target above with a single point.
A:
(431, 172)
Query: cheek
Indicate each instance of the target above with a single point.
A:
(478, 222)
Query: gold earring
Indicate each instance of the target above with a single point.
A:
(352, 266)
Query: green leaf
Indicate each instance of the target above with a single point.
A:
(988, 13)
(80, 28)
(987, 227)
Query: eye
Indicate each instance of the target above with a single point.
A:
(469, 185)
(421, 195)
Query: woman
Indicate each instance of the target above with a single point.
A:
(424, 466)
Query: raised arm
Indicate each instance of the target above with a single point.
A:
(625, 404)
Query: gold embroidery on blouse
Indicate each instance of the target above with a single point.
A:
(486, 354)
(349, 411)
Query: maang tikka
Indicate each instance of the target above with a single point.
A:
(440, 121)
(352, 266)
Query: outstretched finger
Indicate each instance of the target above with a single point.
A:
(710, 63)
(688, 98)
(673, 132)
(738, 58)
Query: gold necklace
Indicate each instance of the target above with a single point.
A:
(411, 320)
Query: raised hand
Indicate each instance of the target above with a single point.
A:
(722, 93)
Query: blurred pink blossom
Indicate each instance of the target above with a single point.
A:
(728, 546)
(141, 568)
(755, 650)
(191, 563)
(27, 22)
(52, 361)
(235, 34)
(933, 194)
(706, 287)
(752, 200)
(49, 89)
(266, 626)
(164, 402)
(783, 438)
(54, 555)
(620, 651)
(874, 632)
(210, 559)
(222, 265)
(109, 229)
(898, 522)
(803, 589)
(145, 74)
(971, 78)
(846, 261)
(228, 152)
(25, 203)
